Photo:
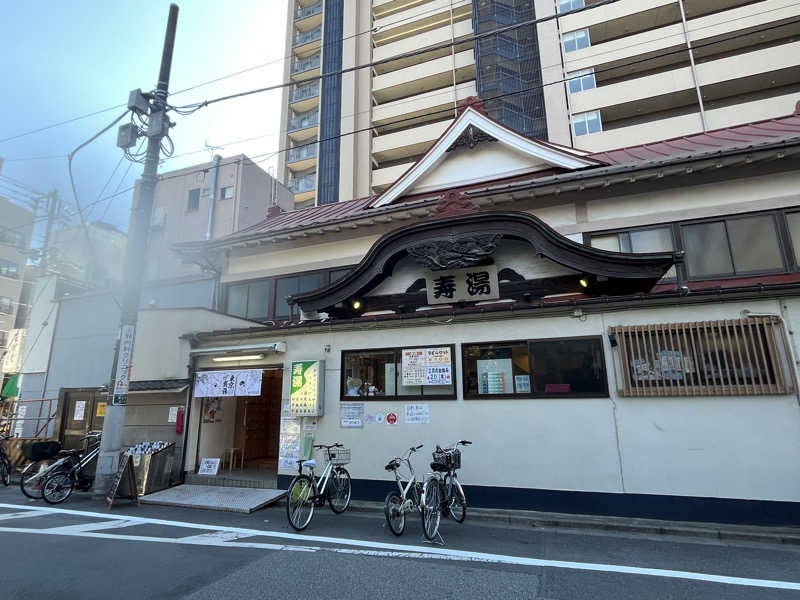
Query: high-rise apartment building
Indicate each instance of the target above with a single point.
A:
(617, 74)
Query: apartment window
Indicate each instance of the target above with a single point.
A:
(793, 222)
(249, 300)
(569, 367)
(3, 338)
(296, 284)
(732, 247)
(194, 201)
(337, 274)
(654, 239)
(568, 5)
(737, 357)
(581, 81)
(576, 40)
(12, 238)
(6, 305)
(226, 193)
(9, 269)
(586, 123)
(388, 373)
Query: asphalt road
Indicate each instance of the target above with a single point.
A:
(80, 550)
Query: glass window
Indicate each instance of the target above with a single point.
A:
(500, 369)
(576, 40)
(12, 237)
(9, 269)
(6, 305)
(237, 300)
(568, 5)
(609, 242)
(570, 367)
(249, 300)
(297, 284)
(793, 221)
(707, 251)
(368, 373)
(226, 193)
(586, 123)
(754, 244)
(337, 274)
(581, 81)
(194, 201)
(638, 241)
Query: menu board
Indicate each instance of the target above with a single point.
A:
(427, 366)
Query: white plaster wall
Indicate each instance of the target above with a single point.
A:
(216, 437)
(740, 447)
(41, 324)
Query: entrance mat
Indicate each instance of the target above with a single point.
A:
(231, 499)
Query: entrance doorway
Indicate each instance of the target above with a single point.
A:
(82, 411)
(244, 433)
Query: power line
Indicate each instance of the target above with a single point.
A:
(72, 120)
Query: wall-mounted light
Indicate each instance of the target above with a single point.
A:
(233, 358)
(584, 283)
(357, 305)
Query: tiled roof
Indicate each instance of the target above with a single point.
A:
(729, 138)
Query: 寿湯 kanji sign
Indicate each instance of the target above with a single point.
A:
(471, 284)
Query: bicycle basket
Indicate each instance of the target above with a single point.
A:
(340, 456)
(40, 450)
(451, 458)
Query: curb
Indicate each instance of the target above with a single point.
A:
(543, 520)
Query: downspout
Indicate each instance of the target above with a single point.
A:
(212, 196)
(694, 69)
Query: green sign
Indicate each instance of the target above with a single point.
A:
(307, 392)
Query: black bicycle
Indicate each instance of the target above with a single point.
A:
(5, 464)
(442, 492)
(59, 482)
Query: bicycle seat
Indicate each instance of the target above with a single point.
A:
(441, 467)
(69, 452)
(308, 463)
(394, 464)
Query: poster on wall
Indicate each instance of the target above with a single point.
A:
(212, 410)
(495, 376)
(80, 410)
(307, 392)
(522, 383)
(417, 414)
(19, 419)
(427, 366)
(213, 384)
(289, 444)
(351, 414)
(208, 466)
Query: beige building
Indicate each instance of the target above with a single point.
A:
(620, 74)
(16, 228)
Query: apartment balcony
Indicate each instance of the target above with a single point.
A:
(431, 103)
(424, 77)
(420, 19)
(304, 187)
(306, 67)
(308, 17)
(383, 178)
(462, 30)
(303, 157)
(307, 43)
(303, 127)
(661, 40)
(304, 97)
(384, 8)
(408, 142)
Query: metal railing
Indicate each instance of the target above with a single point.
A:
(304, 121)
(308, 11)
(306, 183)
(304, 92)
(302, 152)
(308, 36)
(706, 358)
(306, 64)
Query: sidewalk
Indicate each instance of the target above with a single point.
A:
(550, 521)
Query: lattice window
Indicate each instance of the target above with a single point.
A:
(708, 358)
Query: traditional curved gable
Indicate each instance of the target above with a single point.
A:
(476, 148)
(463, 238)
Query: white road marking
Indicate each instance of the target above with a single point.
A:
(115, 524)
(19, 515)
(370, 548)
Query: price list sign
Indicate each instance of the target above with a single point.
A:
(427, 366)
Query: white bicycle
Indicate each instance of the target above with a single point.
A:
(307, 491)
(403, 500)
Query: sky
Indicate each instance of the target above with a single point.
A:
(62, 59)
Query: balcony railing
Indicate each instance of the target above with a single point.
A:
(308, 37)
(302, 152)
(306, 64)
(304, 92)
(304, 121)
(308, 11)
(306, 183)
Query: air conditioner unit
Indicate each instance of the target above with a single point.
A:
(159, 218)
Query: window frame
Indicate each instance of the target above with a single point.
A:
(399, 359)
(5, 263)
(588, 235)
(189, 208)
(573, 36)
(222, 195)
(248, 283)
(583, 117)
(578, 76)
(533, 395)
(10, 305)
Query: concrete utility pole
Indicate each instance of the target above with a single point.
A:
(52, 214)
(158, 127)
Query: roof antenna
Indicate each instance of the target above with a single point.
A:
(212, 149)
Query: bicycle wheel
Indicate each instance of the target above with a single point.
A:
(57, 487)
(30, 482)
(393, 509)
(5, 472)
(339, 490)
(431, 509)
(457, 502)
(300, 502)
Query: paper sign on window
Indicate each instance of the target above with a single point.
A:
(427, 366)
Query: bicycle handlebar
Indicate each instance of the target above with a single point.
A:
(329, 446)
(415, 448)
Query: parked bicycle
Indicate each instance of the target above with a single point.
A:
(68, 473)
(5, 464)
(442, 492)
(307, 491)
(403, 500)
(42, 456)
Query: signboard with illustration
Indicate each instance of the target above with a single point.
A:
(213, 384)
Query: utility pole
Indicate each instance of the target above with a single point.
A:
(52, 214)
(158, 127)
